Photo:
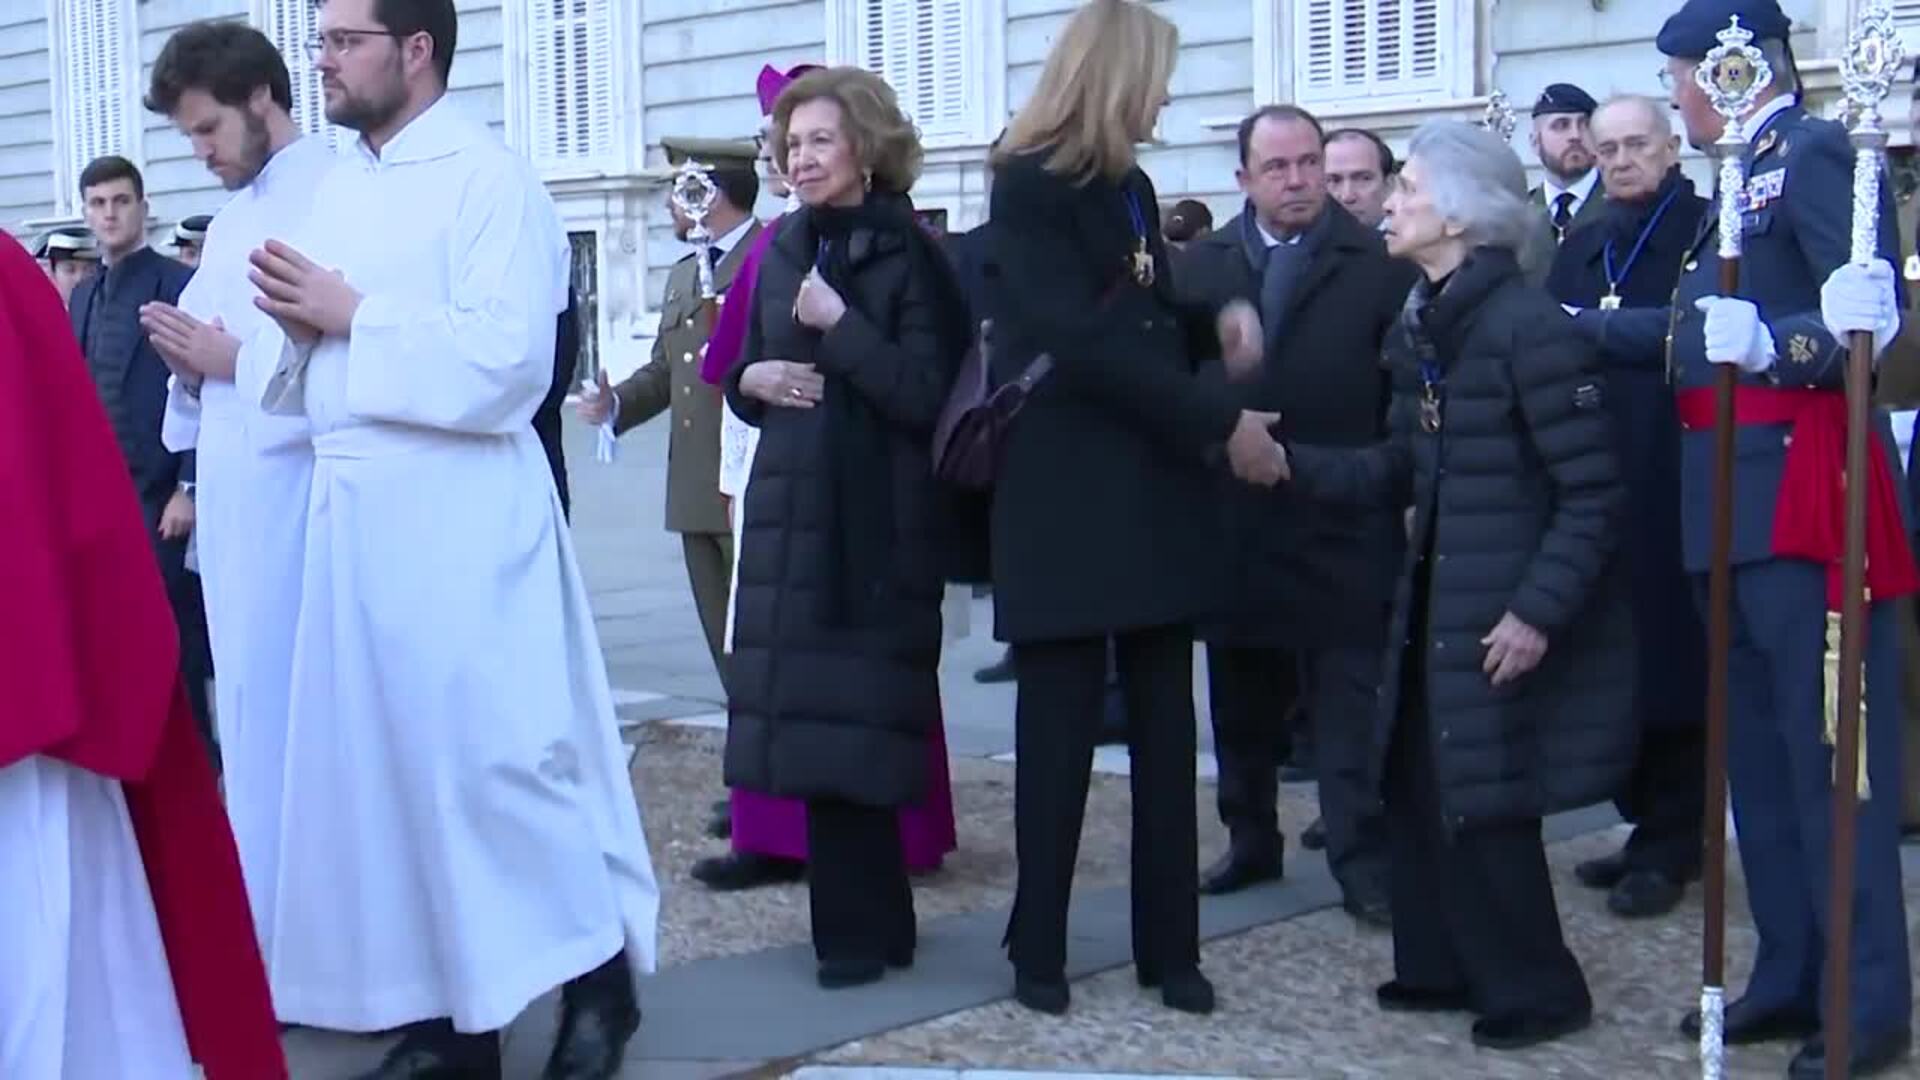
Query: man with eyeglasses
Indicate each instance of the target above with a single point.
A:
(462, 830)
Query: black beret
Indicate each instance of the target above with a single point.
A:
(1694, 30)
(1564, 98)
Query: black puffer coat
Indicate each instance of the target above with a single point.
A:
(819, 711)
(1517, 503)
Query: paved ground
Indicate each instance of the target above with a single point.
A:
(735, 996)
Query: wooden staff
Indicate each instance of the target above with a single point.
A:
(1732, 75)
(1872, 61)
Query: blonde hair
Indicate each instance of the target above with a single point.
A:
(1105, 76)
(885, 142)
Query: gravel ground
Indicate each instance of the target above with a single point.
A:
(677, 774)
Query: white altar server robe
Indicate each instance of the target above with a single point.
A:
(461, 831)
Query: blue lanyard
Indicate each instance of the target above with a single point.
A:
(1606, 253)
(1137, 216)
(820, 257)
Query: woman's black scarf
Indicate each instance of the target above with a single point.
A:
(859, 471)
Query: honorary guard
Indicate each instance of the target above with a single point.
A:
(1786, 335)
(670, 382)
(1571, 195)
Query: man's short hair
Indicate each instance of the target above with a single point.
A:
(224, 59)
(435, 18)
(1275, 112)
(105, 170)
(740, 186)
(1388, 164)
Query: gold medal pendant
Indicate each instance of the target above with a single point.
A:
(1610, 302)
(1142, 261)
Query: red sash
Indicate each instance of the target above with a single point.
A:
(1809, 521)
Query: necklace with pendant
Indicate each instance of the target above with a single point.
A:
(1140, 262)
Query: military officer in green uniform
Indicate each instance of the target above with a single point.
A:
(670, 382)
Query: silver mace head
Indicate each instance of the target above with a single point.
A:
(1733, 75)
(1872, 62)
(693, 194)
(1499, 117)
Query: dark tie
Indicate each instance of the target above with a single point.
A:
(714, 255)
(1562, 214)
(1284, 262)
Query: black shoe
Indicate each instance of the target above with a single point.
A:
(1000, 671)
(835, 975)
(1520, 1032)
(1315, 836)
(598, 1015)
(1369, 909)
(1745, 1024)
(1188, 992)
(1604, 872)
(1240, 869)
(1396, 996)
(432, 1050)
(1049, 996)
(1870, 1056)
(1643, 894)
(740, 870)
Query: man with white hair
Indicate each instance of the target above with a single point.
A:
(1629, 261)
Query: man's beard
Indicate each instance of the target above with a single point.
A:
(371, 111)
(254, 152)
(1564, 172)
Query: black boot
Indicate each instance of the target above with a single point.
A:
(599, 1012)
(432, 1050)
(743, 870)
(1247, 863)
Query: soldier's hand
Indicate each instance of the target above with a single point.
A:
(596, 401)
(1735, 335)
(1857, 297)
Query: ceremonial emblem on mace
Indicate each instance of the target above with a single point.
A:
(693, 194)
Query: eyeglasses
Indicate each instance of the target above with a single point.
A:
(341, 42)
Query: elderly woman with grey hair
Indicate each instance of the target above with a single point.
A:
(1508, 689)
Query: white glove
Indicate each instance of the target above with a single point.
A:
(606, 444)
(1735, 335)
(1859, 297)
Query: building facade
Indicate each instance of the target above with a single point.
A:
(587, 88)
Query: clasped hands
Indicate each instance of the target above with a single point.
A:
(305, 298)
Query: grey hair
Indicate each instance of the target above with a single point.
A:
(1659, 111)
(1476, 182)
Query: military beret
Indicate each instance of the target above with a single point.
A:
(1564, 98)
(1693, 31)
(192, 230)
(719, 153)
(67, 243)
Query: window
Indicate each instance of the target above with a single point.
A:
(570, 89)
(1906, 16)
(288, 24)
(94, 40)
(940, 56)
(1372, 48)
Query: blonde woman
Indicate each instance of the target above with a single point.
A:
(1101, 509)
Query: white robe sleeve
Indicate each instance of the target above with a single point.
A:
(180, 423)
(482, 362)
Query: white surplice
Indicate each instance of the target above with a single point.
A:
(250, 506)
(85, 993)
(460, 829)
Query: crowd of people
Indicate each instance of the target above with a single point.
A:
(1419, 455)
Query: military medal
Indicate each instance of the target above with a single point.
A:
(1611, 301)
(1140, 263)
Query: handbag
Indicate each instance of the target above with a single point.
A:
(970, 436)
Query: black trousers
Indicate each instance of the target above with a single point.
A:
(1056, 723)
(1343, 699)
(1472, 910)
(1666, 801)
(1252, 690)
(857, 889)
(190, 620)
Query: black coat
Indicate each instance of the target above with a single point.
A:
(1517, 504)
(1672, 642)
(1306, 575)
(841, 711)
(1103, 516)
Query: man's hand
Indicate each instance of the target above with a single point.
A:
(193, 349)
(783, 383)
(1735, 335)
(307, 299)
(1861, 298)
(176, 518)
(818, 305)
(1255, 457)
(1242, 340)
(596, 402)
(1513, 649)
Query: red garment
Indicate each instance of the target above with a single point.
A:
(89, 667)
(1809, 521)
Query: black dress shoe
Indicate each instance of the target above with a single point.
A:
(1049, 996)
(432, 1050)
(843, 975)
(1314, 838)
(1528, 1029)
(1369, 909)
(598, 1015)
(1397, 996)
(1241, 869)
(1604, 872)
(1746, 1024)
(742, 870)
(1643, 894)
(1870, 1056)
(1187, 991)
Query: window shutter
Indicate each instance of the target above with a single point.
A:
(921, 48)
(1372, 48)
(93, 44)
(288, 24)
(1906, 16)
(570, 102)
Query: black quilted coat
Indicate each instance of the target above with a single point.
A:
(1517, 504)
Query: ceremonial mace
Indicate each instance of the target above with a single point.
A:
(1732, 75)
(693, 194)
(1872, 61)
(1499, 117)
